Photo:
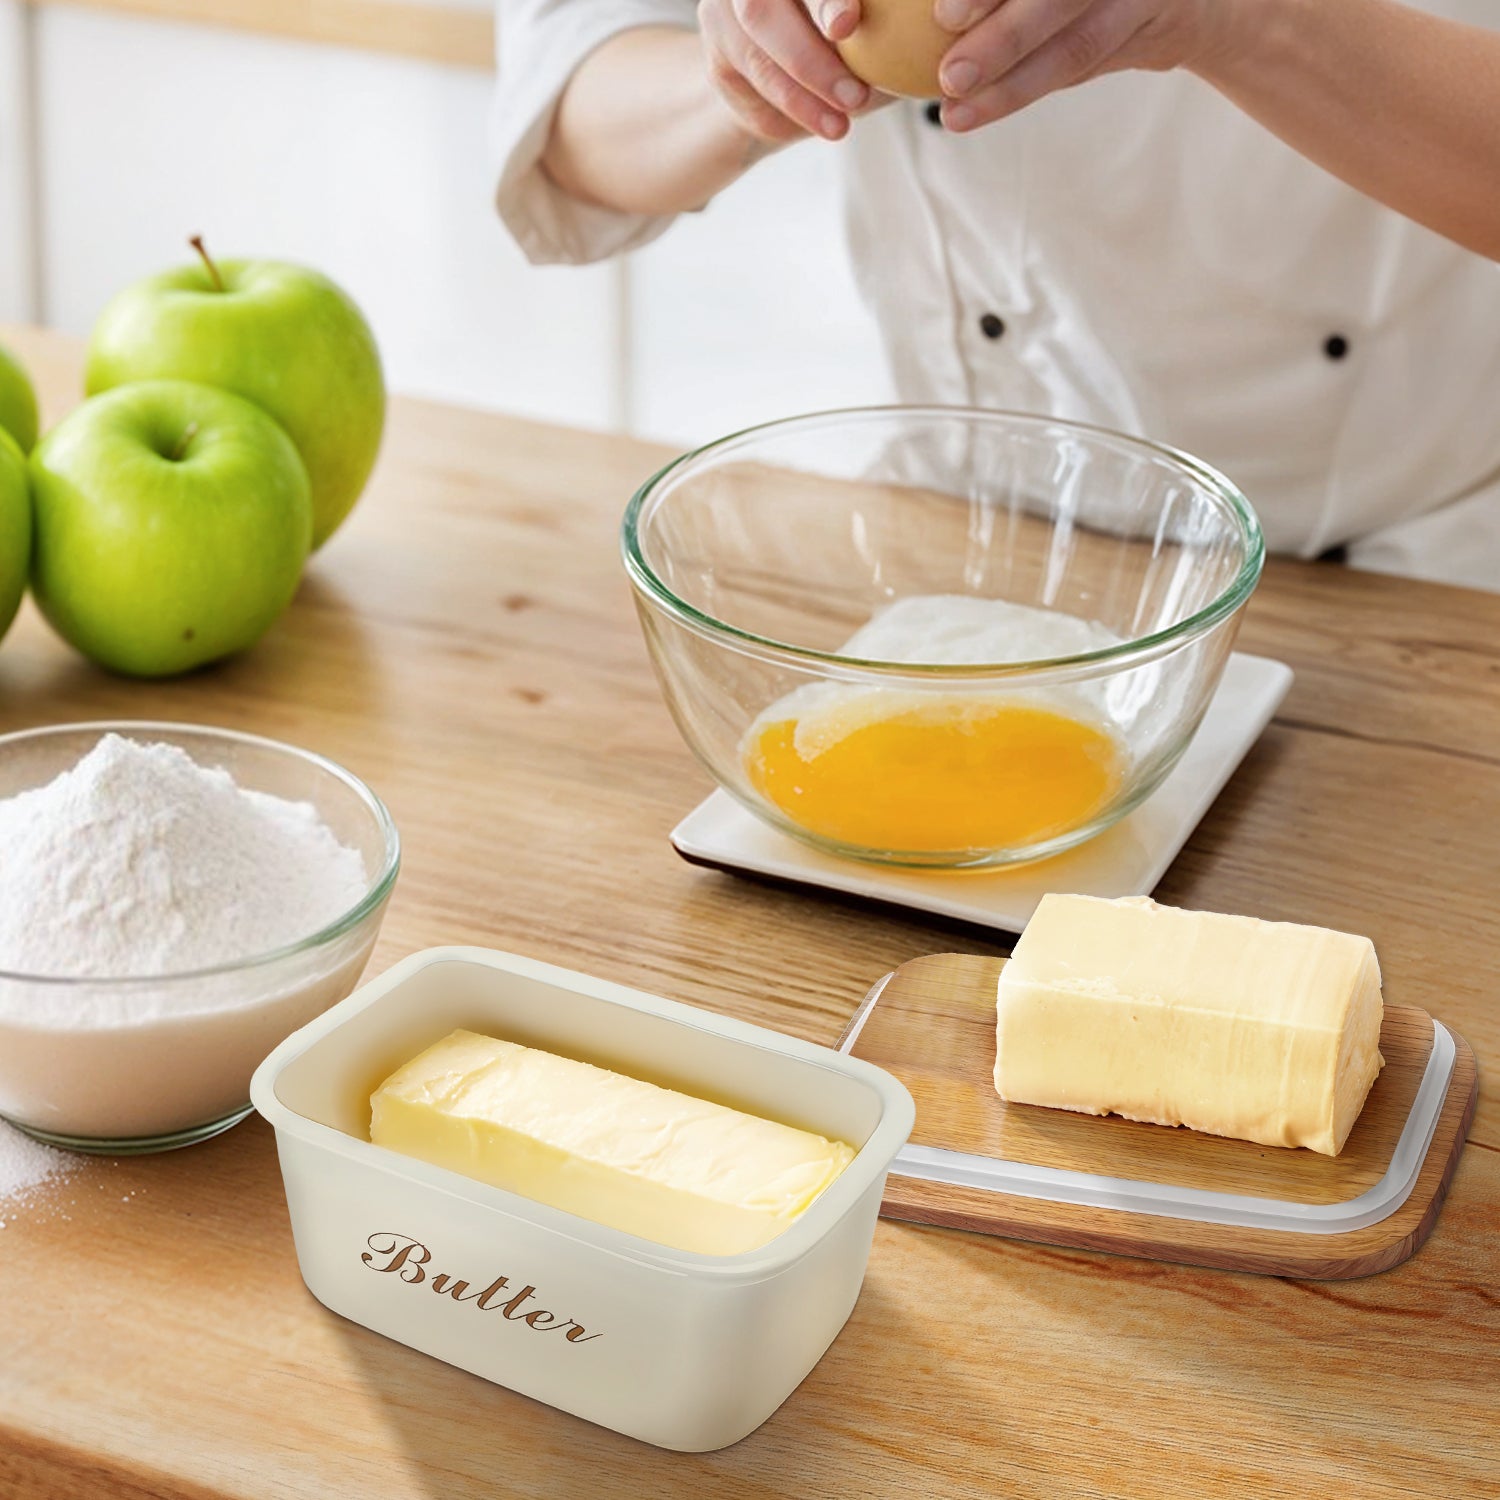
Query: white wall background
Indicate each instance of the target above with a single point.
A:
(376, 170)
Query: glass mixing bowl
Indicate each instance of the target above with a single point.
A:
(126, 1066)
(1052, 607)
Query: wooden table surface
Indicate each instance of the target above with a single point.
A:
(459, 33)
(468, 645)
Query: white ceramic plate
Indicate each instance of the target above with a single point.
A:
(1126, 860)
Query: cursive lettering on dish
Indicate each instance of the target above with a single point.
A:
(407, 1259)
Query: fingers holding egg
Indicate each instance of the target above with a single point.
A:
(897, 47)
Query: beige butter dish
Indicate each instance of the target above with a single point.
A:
(683, 1349)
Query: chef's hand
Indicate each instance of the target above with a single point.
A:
(778, 74)
(1012, 52)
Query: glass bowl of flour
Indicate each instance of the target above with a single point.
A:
(174, 901)
(935, 636)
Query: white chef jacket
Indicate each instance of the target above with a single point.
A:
(1139, 253)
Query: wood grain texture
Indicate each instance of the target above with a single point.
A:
(468, 644)
(456, 35)
(933, 1026)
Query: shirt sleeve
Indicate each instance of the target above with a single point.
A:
(540, 44)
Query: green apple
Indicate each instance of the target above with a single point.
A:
(17, 402)
(172, 523)
(277, 334)
(15, 529)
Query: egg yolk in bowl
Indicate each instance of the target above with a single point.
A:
(939, 770)
(929, 773)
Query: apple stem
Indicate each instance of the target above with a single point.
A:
(213, 271)
(188, 435)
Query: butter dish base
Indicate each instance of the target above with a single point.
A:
(683, 1350)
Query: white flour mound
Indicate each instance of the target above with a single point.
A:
(140, 862)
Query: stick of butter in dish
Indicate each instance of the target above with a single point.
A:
(1266, 1031)
(674, 1169)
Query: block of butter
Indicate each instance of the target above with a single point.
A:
(668, 1167)
(1266, 1031)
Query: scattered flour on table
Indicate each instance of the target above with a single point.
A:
(26, 1166)
(139, 862)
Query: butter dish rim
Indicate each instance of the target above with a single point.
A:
(871, 1159)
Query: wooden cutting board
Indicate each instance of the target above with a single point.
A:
(932, 1024)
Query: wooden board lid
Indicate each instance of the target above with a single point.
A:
(932, 1024)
